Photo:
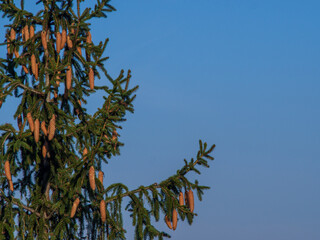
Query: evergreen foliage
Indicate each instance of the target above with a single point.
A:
(54, 153)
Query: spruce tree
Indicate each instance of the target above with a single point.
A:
(52, 184)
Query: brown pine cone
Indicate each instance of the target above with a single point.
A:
(74, 207)
(92, 178)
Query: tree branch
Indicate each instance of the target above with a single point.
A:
(18, 84)
(15, 202)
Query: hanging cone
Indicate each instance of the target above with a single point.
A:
(26, 32)
(77, 109)
(16, 53)
(186, 198)
(100, 177)
(89, 38)
(72, 29)
(12, 34)
(181, 199)
(114, 135)
(103, 210)
(30, 121)
(25, 69)
(11, 185)
(45, 149)
(43, 128)
(69, 42)
(84, 153)
(23, 34)
(33, 64)
(7, 170)
(31, 31)
(91, 79)
(36, 130)
(58, 42)
(88, 56)
(37, 71)
(74, 207)
(190, 200)
(8, 174)
(69, 77)
(174, 219)
(65, 95)
(19, 121)
(44, 39)
(88, 41)
(92, 178)
(79, 50)
(9, 53)
(58, 79)
(166, 219)
(63, 38)
(52, 127)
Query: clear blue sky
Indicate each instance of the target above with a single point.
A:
(244, 75)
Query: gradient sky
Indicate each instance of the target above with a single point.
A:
(244, 75)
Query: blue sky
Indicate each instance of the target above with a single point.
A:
(241, 74)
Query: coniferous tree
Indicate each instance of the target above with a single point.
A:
(51, 183)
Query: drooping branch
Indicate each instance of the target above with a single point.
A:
(183, 171)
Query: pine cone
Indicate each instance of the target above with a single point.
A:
(30, 121)
(43, 128)
(7, 170)
(69, 77)
(63, 38)
(69, 42)
(79, 50)
(91, 79)
(31, 31)
(33, 64)
(19, 121)
(181, 203)
(58, 42)
(26, 33)
(103, 210)
(174, 219)
(45, 149)
(12, 34)
(100, 176)
(25, 69)
(166, 219)
(36, 130)
(52, 127)
(58, 79)
(84, 153)
(16, 53)
(92, 178)
(9, 53)
(44, 39)
(37, 71)
(190, 200)
(74, 207)
(8, 174)
(89, 38)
